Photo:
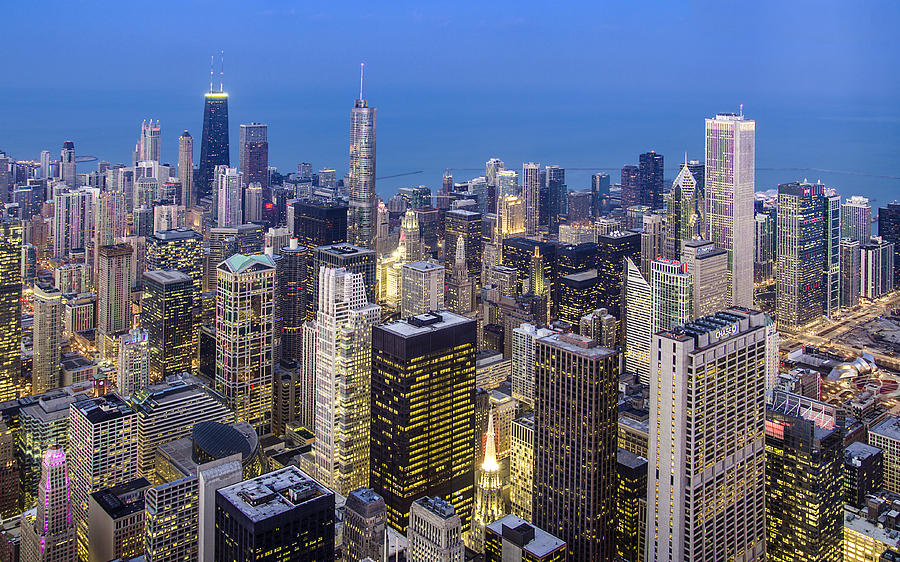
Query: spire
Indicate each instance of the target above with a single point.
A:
(361, 67)
(222, 71)
(460, 251)
(490, 448)
(211, 72)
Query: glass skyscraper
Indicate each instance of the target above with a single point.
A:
(214, 144)
(361, 220)
(10, 316)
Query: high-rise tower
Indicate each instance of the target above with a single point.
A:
(214, 144)
(343, 376)
(730, 169)
(254, 154)
(531, 193)
(67, 165)
(186, 169)
(51, 536)
(856, 219)
(149, 146)
(488, 497)
(362, 215)
(10, 308)
(48, 323)
(684, 213)
(651, 171)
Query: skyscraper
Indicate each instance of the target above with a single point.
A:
(850, 273)
(889, 230)
(631, 186)
(410, 245)
(465, 224)
(575, 446)
(651, 171)
(230, 211)
(422, 288)
(167, 314)
(364, 525)
(707, 265)
(108, 209)
(318, 223)
(800, 251)
(684, 213)
(10, 308)
(521, 465)
(343, 377)
(186, 169)
(764, 248)
(67, 172)
(71, 221)
(361, 219)
(254, 155)
(831, 271)
(214, 143)
(435, 532)
(103, 447)
(133, 362)
(114, 293)
(351, 258)
(856, 219)
(599, 189)
(556, 183)
(245, 326)
(671, 286)
(149, 145)
(47, 333)
(804, 479)
(523, 365)
(710, 442)
(531, 191)
(730, 172)
(612, 250)
(460, 286)
(423, 405)
(51, 536)
(488, 491)
(45, 164)
(876, 265)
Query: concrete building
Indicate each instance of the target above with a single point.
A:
(856, 219)
(51, 536)
(434, 532)
(707, 265)
(521, 466)
(46, 336)
(513, 539)
(364, 525)
(886, 436)
(422, 288)
(116, 521)
(850, 273)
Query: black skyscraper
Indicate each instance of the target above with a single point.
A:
(214, 147)
(889, 229)
(651, 180)
(558, 197)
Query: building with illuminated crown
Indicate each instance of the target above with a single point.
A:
(51, 536)
(214, 142)
(167, 314)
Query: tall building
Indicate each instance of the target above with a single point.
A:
(319, 223)
(352, 258)
(579, 295)
(831, 272)
(230, 207)
(109, 221)
(364, 525)
(423, 406)
(850, 273)
(638, 322)
(710, 442)
(51, 536)
(114, 294)
(631, 505)
(510, 219)
(361, 219)
(531, 190)
(764, 248)
(460, 223)
(343, 376)
(45, 164)
(282, 515)
(612, 250)
(671, 292)
(47, 333)
(730, 172)
(800, 254)
(523, 365)
(804, 479)
(245, 330)
(292, 271)
(67, 171)
(133, 362)
(186, 169)
(521, 465)
(631, 186)
(651, 172)
(889, 230)
(599, 190)
(575, 447)
(653, 240)
(876, 265)
(167, 315)
(10, 308)
(558, 196)
(460, 285)
(103, 447)
(214, 142)
(512, 538)
(71, 222)
(410, 245)
(684, 213)
(422, 288)
(488, 505)
(856, 219)
(707, 265)
(435, 532)
(863, 472)
(149, 146)
(254, 154)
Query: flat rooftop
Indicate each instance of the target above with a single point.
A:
(541, 545)
(274, 493)
(888, 427)
(580, 345)
(424, 323)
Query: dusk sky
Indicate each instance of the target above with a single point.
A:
(457, 83)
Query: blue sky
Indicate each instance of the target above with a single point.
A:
(449, 77)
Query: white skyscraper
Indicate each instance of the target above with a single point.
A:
(710, 441)
(133, 362)
(114, 293)
(109, 222)
(523, 365)
(45, 164)
(67, 169)
(488, 491)
(832, 232)
(730, 176)
(51, 537)
(856, 219)
(71, 221)
(531, 194)
(671, 286)
(48, 324)
(362, 214)
(707, 265)
(343, 376)
(149, 143)
(421, 288)
(434, 532)
(245, 332)
(228, 182)
(638, 323)
(411, 248)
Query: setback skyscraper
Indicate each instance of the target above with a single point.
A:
(361, 219)
(800, 254)
(730, 169)
(51, 537)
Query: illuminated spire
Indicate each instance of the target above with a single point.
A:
(362, 66)
(490, 448)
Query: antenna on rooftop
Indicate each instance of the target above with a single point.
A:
(211, 57)
(362, 65)
(742, 110)
(222, 71)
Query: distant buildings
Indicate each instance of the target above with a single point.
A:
(876, 262)
(856, 219)
(254, 154)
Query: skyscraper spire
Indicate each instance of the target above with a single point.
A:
(490, 448)
(211, 72)
(222, 71)
(362, 66)
(488, 498)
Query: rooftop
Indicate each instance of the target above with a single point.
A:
(579, 345)
(858, 523)
(424, 323)
(629, 459)
(104, 408)
(166, 276)
(889, 427)
(182, 233)
(344, 249)
(239, 263)
(423, 265)
(438, 506)
(541, 542)
(274, 493)
(858, 451)
(123, 499)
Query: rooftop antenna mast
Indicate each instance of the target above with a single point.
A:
(361, 67)
(222, 71)
(742, 110)
(211, 71)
